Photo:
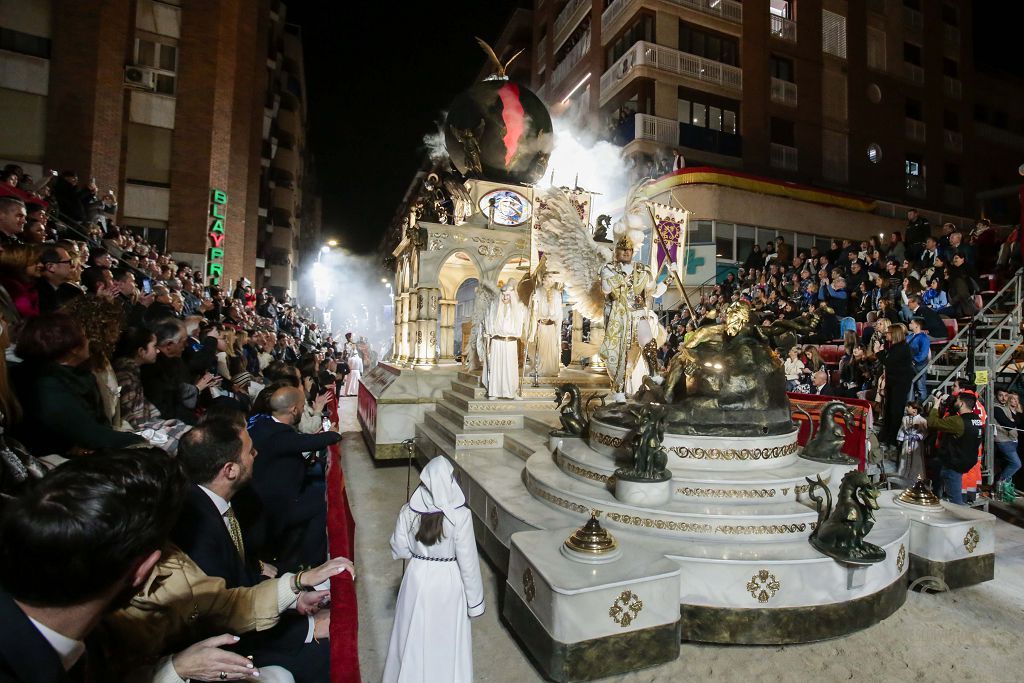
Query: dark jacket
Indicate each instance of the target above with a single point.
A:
(63, 409)
(932, 322)
(162, 384)
(25, 654)
(279, 473)
(51, 299)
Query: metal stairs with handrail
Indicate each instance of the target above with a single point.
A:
(990, 344)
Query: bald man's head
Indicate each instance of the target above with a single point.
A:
(287, 402)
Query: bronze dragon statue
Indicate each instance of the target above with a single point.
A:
(841, 529)
(825, 444)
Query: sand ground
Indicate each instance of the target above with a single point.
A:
(969, 634)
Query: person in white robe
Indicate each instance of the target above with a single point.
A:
(546, 326)
(431, 639)
(355, 371)
(504, 327)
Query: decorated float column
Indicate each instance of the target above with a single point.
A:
(447, 340)
(426, 325)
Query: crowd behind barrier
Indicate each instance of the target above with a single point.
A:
(165, 457)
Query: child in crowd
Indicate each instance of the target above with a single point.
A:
(910, 436)
(794, 368)
(431, 639)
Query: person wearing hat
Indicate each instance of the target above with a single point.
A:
(431, 639)
(631, 327)
(504, 326)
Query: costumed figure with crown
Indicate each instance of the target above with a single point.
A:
(631, 328)
(617, 290)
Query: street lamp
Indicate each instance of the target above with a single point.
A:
(332, 243)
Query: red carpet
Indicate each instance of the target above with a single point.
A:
(341, 529)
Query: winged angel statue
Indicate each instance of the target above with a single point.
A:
(607, 285)
(474, 347)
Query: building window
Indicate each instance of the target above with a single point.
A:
(876, 49)
(874, 153)
(783, 132)
(641, 29)
(950, 14)
(161, 58)
(951, 121)
(724, 240)
(835, 156)
(951, 175)
(833, 94)
(781, 68)
(913, 168)
(914, 110)
(833, 33)
(912, 54)
(718, 48)
(720, 116)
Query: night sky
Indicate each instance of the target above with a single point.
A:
(378, 76)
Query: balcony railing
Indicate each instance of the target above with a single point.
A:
(542, 55)
(954, 195)
(783, 92)
(730, 10)
(563, 18)
(953, 141)
(671, 61)
(782, 28)
(913, 73)
(999, 135)
(656, 128)
(916, 186)
(912, 20)
(578, 51)
(783, 156)
(915, 129)
(952, 87)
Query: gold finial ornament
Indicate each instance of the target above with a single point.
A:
(501, 69)
(591, 543)
(919, 495)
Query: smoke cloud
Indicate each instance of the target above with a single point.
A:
(348, 288)
(579, 158)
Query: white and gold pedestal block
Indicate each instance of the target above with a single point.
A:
(953, 543)
(393, 399)
(581, 622)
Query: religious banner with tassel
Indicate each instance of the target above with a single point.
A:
(670, 226)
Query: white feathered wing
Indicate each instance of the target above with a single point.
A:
(566, 241)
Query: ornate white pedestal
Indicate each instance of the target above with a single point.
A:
(954, 543)
(643, 493)
(393, 399)
(585, 622)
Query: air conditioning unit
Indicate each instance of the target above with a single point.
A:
(141, 77)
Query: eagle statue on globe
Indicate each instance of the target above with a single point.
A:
(499, 130)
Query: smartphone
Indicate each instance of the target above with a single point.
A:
(147, 286)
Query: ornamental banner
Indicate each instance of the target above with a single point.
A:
(671, 225)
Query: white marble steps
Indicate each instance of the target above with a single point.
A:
(740, 487)
(460, 437)
(479, 421)
(500, 405)
(768, 521)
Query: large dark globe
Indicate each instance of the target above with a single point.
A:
(500, 131)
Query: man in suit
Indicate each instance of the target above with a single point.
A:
(77, 546)
(820, 385)
(218, 456)
(295, 508)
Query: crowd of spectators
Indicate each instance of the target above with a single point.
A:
(135, 397)
(878, 308)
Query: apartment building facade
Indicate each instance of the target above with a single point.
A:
(878, 99)
(193, 113)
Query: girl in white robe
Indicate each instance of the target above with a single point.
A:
(431, 639)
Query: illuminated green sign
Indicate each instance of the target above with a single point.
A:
(218, 214)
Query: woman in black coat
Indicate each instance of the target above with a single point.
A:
(899, 371)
